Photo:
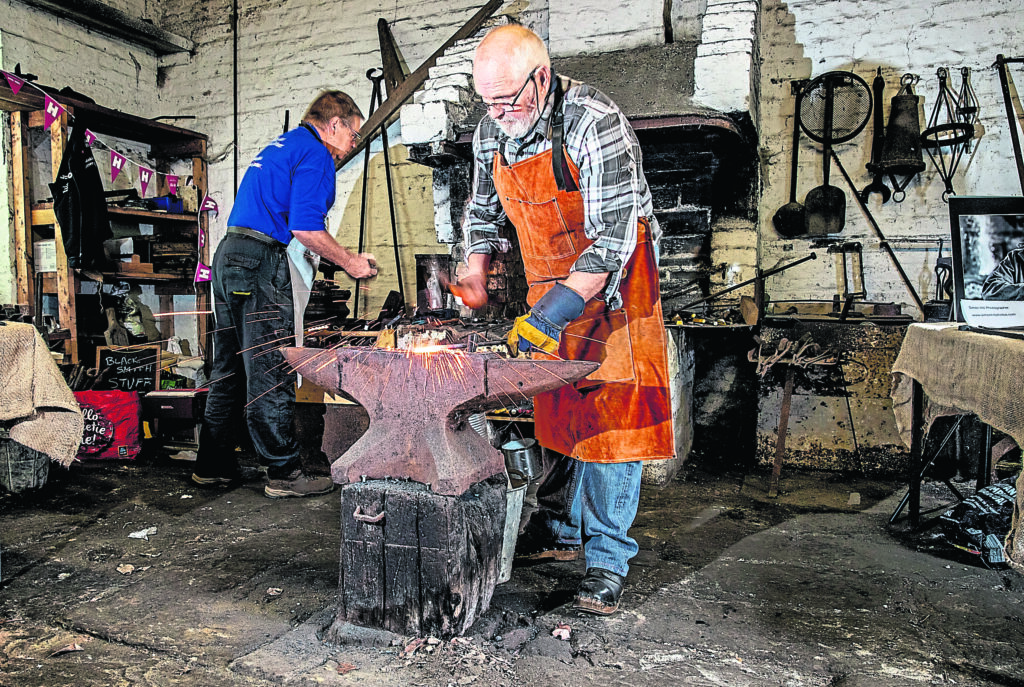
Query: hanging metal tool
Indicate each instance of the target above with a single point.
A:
(967, 102)
(877, 141)
(1011, 118)
(901, 149)
(410, 84)
(376, 76)
(834, 108)
(789, 219)
(945, 138)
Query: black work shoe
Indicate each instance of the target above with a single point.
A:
(298, 483)
(534, 549)
(243, 473)
(599, 592)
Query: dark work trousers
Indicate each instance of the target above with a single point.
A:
(546, 501)
(254, 315)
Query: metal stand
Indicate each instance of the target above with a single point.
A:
(913, 495)
(376, 76)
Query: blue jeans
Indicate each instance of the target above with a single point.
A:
(602, 503)
(250, 380)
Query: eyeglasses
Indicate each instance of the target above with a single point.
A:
(502, 108)
(356, 136)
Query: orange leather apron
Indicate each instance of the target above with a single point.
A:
(622, 412)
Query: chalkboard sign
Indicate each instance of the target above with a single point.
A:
(123, 368)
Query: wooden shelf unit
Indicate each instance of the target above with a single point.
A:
(30, 222)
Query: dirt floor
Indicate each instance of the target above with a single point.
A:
(128, 574)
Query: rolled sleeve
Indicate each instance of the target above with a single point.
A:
(611, 188)
(484, 215)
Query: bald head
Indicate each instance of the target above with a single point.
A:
(507, 55)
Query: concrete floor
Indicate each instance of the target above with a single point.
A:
(730, 588)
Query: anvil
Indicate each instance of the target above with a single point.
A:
(418, 404)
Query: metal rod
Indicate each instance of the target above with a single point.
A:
(391, 202)
(1011, 118)
(374, 100)
(761, 276)
(874, 225)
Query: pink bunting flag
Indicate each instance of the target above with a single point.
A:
(14, 82)
(117, 162)
(203, 273)
(51, 110)
(145, 176)
(90, 138)
(209, 204)
(202, 238)
(172, 184)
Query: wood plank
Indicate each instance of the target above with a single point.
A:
(23, 249)
(42, 216)
(101, 120)
(409, 86)
(401, 559)
(362, 557)
(202, 289)
(66, 280)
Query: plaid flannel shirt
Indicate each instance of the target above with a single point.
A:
(599, 139)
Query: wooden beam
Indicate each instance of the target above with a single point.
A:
(23, 256)
(66, 279)
(405, 89)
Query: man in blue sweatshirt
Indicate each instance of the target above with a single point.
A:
(286, 193)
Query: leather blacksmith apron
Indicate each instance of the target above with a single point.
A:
(621, 412)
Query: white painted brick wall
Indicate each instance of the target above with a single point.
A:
(595, 26)
(804, 39)
(723, 67)
(288, 54)
(62, 53)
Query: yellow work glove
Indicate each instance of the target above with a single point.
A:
(541, 328)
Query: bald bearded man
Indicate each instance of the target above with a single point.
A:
(560, 161)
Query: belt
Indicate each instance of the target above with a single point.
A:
(253, 234)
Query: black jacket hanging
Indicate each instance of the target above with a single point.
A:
(79, 204)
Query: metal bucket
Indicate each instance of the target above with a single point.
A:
(522, 459)
(513, 510)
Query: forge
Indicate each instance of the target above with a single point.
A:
(423, 493)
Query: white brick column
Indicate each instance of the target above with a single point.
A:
(724, 63)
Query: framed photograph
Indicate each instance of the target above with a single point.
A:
(988, 260)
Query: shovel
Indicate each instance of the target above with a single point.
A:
(825, 206)
(789, 219)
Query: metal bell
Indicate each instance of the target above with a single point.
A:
(901, 149)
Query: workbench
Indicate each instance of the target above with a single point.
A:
(941, 371)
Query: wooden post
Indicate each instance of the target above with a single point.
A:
(415, 562)
(67, 287)
(23, 249)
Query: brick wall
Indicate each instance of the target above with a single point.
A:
(61, 53)
(803, 39)
(287, 54)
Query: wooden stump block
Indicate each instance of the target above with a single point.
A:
(429, 566)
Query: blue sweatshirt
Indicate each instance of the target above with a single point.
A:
(288, 187)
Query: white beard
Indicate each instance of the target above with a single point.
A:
(517, 126)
